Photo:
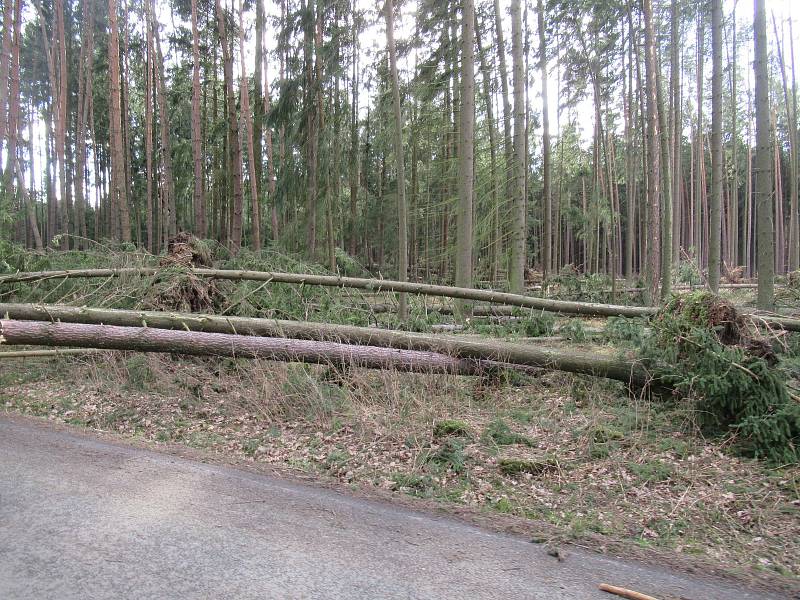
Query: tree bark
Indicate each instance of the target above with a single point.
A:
(764, 199)
(654, 155)
(715, 222)
(466, 155)
(199, 199)
(121, 219)
(302, 342)
(519, 221)
(233, 134)
(402, 207)
(247, 138)
(547, 265)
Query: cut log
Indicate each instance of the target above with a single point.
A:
(501, 352)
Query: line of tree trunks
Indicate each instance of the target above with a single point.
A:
(293, 341)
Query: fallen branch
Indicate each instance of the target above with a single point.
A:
(48, 353)
(501, 352)
(625, 593)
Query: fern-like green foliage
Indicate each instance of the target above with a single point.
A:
(699, 349)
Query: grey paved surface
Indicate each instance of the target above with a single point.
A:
(82, 518)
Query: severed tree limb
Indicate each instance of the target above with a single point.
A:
(624, 593)
(48, 353)
(485, 350)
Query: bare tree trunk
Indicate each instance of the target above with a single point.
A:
(248, 140)
(715, 221)
(233, 134)
(152, 244)
(121, 220)
(466, 154)
(519, 220)
(61, 120)
(5, 61)
(763, 168)
(698, 184)
(547, 261)
(199, 199)
(677, 129)
(654, 156)
(402, 208)
(168, 183)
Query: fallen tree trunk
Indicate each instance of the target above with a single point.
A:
(555, 306)
(500, 352)
(148, 339)
(375, 285)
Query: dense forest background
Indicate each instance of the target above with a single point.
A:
(456, 141)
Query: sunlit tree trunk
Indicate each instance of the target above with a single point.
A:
(715, 221)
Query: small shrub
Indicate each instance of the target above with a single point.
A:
(450, 427)
(450, 455)
(652, 471)
(499, 433)
(574, 331)
(626, 331)
(538, 325)
(516, 466)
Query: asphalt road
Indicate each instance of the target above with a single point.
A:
(84, 518)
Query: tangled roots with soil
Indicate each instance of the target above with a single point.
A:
(176, 287)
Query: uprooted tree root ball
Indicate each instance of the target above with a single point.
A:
(177, 288)
(708, 353)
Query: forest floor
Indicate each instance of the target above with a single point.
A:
(566, 459)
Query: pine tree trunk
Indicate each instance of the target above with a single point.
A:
(247, 137)
(519, 220)
(121, 221)
(654, 158)
(168, 182)
(466, 148)
(547, 262)
(152, 243)
(199, 200)
(715, 221)
(764, 201)
(402, 208)
(5, 62)
(234, 148)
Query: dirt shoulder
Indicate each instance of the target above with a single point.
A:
(560, 460)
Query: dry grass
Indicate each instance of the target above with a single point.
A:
(573, 452)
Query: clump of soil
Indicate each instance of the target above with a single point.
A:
(177, 287)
